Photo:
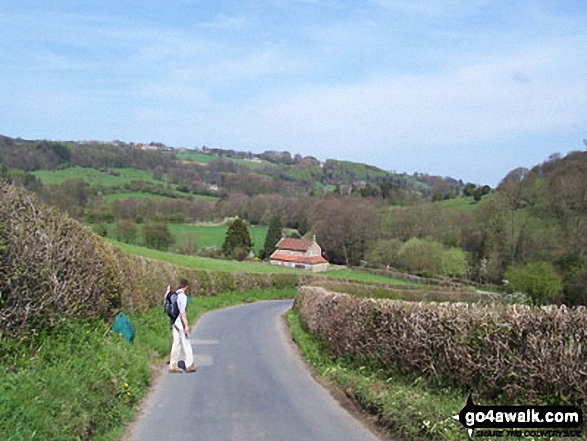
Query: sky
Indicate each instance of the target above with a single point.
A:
(470, 89)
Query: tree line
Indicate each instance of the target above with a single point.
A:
(530, 231)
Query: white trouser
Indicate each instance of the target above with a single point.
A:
(180, 344)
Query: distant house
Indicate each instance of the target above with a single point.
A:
(299, 253)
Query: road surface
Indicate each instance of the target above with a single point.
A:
(250, 385)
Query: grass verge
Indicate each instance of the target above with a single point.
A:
(402, 406)
(83, 382)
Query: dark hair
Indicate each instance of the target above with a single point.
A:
(183, 283)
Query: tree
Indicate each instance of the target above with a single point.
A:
(512, 191)
(383, 252)
(441, 191)
(566, 194)
(539, 280)
(237, 238)
(273, 236)
(345, 227)
(126, 231)
(156, 235)
(469, 189)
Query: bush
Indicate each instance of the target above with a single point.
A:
(539, 280)
(156, 235)
(212, 252)
(125, 231)
(425, 256)
(453, 262)
(383, 253)
(420, 255)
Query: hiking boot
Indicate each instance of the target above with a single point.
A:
(175, 370)
(192, 368)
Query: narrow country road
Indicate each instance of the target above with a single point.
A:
(250, 385)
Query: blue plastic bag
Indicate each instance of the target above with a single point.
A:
(124, 327)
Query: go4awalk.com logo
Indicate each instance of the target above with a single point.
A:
(521, 421)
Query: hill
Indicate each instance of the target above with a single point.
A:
(361, 215)
(210, 170)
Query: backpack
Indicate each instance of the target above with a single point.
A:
(171, 307)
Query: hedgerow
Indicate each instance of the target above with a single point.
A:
(523, 353)
(54, 269)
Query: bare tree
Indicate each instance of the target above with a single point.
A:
(345, 227)
(567, 197)
(512, 191)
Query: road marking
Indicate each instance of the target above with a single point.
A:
(203, 360)
(204, 342)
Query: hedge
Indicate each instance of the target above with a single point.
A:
(525, 354)
(403, 292)
(54, 269)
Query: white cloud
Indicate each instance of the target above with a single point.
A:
(479, 101)
(226, 23)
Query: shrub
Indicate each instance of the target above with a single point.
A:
(125, 231)
(188, 244)
(156, 235)
(539, 280)
(383, 253)
(420, 255)
(425, 256)
(453, 262)
(100, 230)
(212, 252)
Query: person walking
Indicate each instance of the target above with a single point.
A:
(180, 333)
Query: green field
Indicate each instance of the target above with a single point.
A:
(141, 195)
(359, 276)
(193, 156)
(466, 204)
(134, 195)
(206, 158)
(206, 236)
(203, 263)
(206, 263)
(213, 236)
(93, 176)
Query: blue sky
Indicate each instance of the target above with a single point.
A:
(464, 88)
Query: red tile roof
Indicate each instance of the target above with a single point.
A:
(307, 260)
(294, 244)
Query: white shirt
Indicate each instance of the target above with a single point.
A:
(182, 301)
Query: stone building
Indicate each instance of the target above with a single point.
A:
(299, 253)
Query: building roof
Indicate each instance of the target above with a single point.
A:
(294, 244)
(308, 260)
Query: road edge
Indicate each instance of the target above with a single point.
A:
(351, 406)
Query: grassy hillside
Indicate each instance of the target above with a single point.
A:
(466, 204)
(113, 177)
(204, 263)
(213, 236)
(194, 156)
(204, 235)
